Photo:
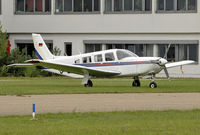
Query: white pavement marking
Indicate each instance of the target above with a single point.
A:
(22, 105)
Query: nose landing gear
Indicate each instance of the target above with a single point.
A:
(153, 84)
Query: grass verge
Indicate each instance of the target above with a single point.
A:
(62, 85)
(111, 123)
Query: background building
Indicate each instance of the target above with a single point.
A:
(145, 27)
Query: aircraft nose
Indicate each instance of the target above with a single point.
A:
(163, 61)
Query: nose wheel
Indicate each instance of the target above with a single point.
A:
(88, 84)
(153, 84)
(136, 82)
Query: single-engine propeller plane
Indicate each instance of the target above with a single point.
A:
(107, 63)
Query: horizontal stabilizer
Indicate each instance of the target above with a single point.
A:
(21, 65)
(180, 63)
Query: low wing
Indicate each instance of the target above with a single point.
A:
(180, 63)
(76, 69)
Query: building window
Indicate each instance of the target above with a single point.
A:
(178, 52)
(139, 49)
(77, 6)
(92, 48)
(177, 5)
(33, 6)
(68, 48)
(127, 6)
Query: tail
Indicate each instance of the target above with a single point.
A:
(41, 50)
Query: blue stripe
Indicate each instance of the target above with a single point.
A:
(38, 55)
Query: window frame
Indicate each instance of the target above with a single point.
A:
(175, 9)
(43, 12)
(81, 12)
(133, 11)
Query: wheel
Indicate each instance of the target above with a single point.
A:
(89, 84)
(136, 83)
(153, 85)
(133, 84)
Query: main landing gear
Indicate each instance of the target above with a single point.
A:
(152, 84)
(86, 80)
(136, 82)
(89, 83)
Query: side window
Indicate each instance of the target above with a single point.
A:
(87, 59)
(98, 58)
(109, 57)
(77, 61)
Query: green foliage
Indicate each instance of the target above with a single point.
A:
(56, 51)
(3, 47)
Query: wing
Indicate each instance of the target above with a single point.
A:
(76, 69)
(180, 63)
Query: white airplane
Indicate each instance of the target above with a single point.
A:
(108, 63)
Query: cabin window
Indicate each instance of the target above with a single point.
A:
(87, 59)
(98, 58)
(109, 57)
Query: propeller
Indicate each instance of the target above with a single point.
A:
(162, 61)
(164, 67)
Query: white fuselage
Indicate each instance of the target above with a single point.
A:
(128, 66)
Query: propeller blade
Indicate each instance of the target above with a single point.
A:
(165, 56)
(166, 72)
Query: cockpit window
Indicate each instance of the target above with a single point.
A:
(124, 53)
(109, 57)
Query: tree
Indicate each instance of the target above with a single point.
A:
(3, 47)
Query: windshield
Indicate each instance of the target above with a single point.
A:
(125, 53)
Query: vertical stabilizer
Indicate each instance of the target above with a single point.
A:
(41, 49)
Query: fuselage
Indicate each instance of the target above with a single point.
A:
(123, 61)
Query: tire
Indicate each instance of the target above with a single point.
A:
(153, 85)
(133, 84)
(137, 82)
(90, 84)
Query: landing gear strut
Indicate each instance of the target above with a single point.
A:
(136, 82)
(88, 84)
(153, 84)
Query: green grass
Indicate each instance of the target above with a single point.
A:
(62, 85)
(112, 123)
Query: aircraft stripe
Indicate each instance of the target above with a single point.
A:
(38, 55)
(114, 64)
